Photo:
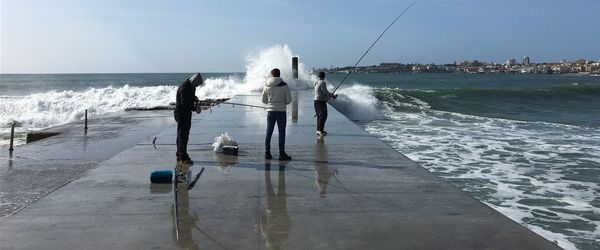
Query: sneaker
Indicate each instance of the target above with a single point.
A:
(319, 133)
(284, 157)
(268, 156)
(324, 132)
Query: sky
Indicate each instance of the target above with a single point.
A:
(160, 36)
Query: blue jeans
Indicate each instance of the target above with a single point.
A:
(281, 118)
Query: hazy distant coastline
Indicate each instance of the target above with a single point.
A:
(581, 66)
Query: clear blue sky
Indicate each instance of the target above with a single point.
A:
(88, 36)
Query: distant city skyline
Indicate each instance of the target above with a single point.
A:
(507, 61)
(111, 36)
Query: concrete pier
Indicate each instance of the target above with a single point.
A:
(350, 191)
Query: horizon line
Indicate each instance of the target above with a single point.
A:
(90, 73)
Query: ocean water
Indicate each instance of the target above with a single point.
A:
(525, 145)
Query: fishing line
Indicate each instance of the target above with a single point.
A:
(373, 44)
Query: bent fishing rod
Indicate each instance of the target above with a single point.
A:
(234, 104)
(373, 44)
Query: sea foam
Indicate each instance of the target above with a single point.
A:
(53, 108)
(533, 172)
(359, 103)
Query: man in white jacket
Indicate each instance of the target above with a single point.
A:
(277, 95)
(321, 97)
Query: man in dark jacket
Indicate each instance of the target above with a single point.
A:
(186, 104)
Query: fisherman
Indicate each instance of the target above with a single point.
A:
(321, 97)
(276, 94)
(186, 103)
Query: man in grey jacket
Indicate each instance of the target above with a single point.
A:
(276, 94)
(321, 97)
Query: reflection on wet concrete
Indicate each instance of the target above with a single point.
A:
(295, 107)
(10, 162)
(183, 219)
(275, 224)
(322, 169)
(225, 162)
(160, 188)
(320, 139)
(85, 141)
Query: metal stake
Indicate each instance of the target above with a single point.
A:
(12, 136)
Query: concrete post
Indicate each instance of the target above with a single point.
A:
(295, 67)
(85, 126)
(12, 136)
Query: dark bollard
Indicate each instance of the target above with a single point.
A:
(12, 136)
(85, 126)
(295, 99)
(295, 67)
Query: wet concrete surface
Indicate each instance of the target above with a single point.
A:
(350, 191)
(36, 169)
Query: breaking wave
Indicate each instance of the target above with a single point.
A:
(60, 106)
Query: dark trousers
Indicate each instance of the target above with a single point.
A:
(280, 118)
(184, 122)
(321, 110)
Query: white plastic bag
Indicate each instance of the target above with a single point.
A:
(223, 140)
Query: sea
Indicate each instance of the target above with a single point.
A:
(528, 146)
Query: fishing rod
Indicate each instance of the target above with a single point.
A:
(233, 104)
(209, 107)
(191, 185)
(242, 104)
(376, 40)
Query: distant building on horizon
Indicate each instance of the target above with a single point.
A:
(511, 62)
(526, 60)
